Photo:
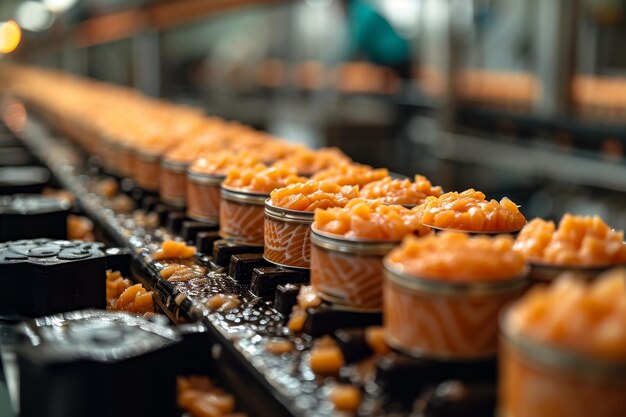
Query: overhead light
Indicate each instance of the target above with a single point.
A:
(58, 6)
(10, 36)
(33, 16)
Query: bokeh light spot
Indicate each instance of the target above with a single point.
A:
(10, 36)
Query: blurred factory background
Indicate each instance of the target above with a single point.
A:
(523, 98)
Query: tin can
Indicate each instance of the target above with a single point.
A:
(436, 229)
(108, 151)
(542, 273)
(287, 235)
(124, 156)
(146, 170)
(349, 272)
(86, 137)
(203, 196)
(431, 319)
(536, 379)
(242, 215)
(173, 186)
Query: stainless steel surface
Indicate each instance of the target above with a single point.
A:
(537, 160)
(286, 215)
(362, 247)
(454, 288)
(200, 178)
(244, 197)
(547, 273)
(558, 358)
(175, 166)
(555, 41)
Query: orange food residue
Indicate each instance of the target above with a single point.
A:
(134, 299)
(79, 228)
(375, 339)
(345, 397)
(308, 297)
(311, 195)
(180, 273)
(123, 296)
(351, 174)
(223, 302)
(296, 320)
(116, 284)
(261, 179)
(581, 317)
(455, 256)
(404, 192)
(368, 219)
(199, 396)
(470, 211)
(579, 240)
(326, 357)
(171, 249)
(279, 346)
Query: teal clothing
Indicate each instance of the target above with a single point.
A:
(371, 34)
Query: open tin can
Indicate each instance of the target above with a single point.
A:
(73, 129)
(542, 273)
(287, 236)
(242, 215)
(349, 272)
(173, 187)
(124, 156)
(108, 151)
(536, 379)
(474, 232)
(203, 196)
(87, 137)
(437, 320)
(147, 170)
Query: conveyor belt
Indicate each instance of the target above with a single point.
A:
(267, 384)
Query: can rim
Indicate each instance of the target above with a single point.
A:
(146, 155)
(176, 166)
(435, 356)
(243, 196)
(340, 304)
(108, 140)
(123, 146)
(355, 246)
(474, 232)
(202, 178)
(556, 357)
(239, 239)
(547, 272)
(300, 268)
(454, 288)
(112, 143)
(287, 215)
(406, 206)
(201, 218)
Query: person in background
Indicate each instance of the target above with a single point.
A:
(373, 37)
